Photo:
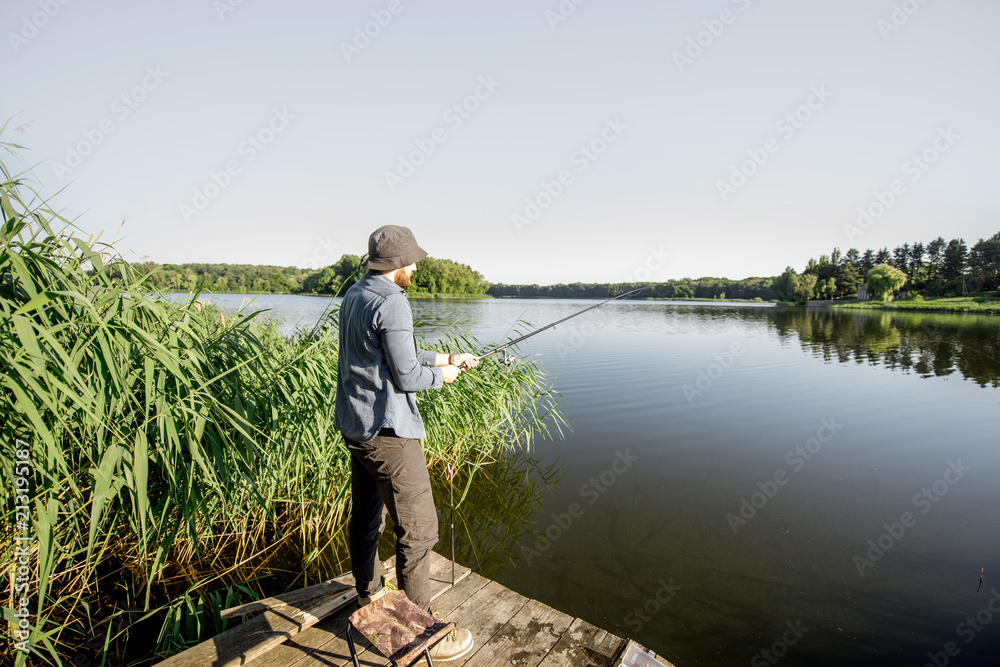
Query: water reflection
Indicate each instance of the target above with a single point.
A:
(495, 507)
(930, 345)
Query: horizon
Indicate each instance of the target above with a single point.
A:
(588, 141)
(969, 243)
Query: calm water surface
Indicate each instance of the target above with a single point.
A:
(820, 485)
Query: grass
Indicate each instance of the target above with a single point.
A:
(988, 302)
(179, 461)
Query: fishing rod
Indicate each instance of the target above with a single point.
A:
(508, 359)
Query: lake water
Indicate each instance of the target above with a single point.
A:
(750, 484)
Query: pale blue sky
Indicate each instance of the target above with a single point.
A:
(199, 80)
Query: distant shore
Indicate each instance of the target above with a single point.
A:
(424, 295)
(704, 300)
(988, 303)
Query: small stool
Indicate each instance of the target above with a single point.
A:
(397, 628)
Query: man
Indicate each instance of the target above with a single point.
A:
(379, 370)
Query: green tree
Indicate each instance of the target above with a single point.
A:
(984, 260)
(901, 257)
(827, 289)
(935, 259)
(324, 281)
(916, 259)
(443, 276)
(790, 286)
(684, 289)
(189, 281)
(347, 267)
(955, 256)
(884, 281)
(867, 262)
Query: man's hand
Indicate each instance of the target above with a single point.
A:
(450, 373)
(466, 361)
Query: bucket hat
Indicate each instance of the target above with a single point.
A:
(392, 247)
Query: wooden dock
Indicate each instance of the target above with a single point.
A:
(305, 628)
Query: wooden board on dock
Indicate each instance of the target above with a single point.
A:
(508, 629)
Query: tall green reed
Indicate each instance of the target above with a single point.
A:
(176, 450)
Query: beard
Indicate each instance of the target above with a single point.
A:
(402, 279)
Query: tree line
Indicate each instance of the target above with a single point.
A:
(937, 268)
(433, 276)
(701, 288)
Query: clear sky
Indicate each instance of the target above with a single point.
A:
(537, 141)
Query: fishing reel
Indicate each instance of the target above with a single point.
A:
(508, 360)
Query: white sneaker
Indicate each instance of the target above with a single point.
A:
(454, 646)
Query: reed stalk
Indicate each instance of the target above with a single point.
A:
(175, 455)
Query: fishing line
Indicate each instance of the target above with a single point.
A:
(451, 502)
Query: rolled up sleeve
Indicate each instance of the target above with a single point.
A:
(426, 357)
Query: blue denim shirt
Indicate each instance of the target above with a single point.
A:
(379, 365)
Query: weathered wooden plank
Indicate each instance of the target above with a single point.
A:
(584, 645)
(297, 650)
(526, 639)
(255, 637)
(441, 574)
(291, 597)
(325, 644)
(444, 603)
(452, 598)
(440, 583)
(484, 614)
(305, 628)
